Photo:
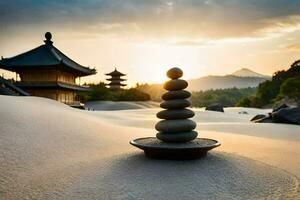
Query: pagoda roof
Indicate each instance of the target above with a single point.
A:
(45, 55)
(116, 79)
(120, 84)
(115, 73)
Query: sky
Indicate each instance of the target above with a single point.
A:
(144, 38)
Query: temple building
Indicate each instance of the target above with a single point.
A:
(46, 72)
(115, 80)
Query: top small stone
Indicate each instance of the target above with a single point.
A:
(174, 73)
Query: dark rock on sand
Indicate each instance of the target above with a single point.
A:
(176, 84)
(266, 119)
(279, 107)
(257, 117)
(179, 94)
(176, 125)
(174, 73)
(177, 137)
(287, 115)
(175, 104)
(215, 107)
(175, 114)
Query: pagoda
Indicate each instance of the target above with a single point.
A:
(115, 80)
(46, 72)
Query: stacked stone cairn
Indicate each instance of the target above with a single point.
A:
(175, 126)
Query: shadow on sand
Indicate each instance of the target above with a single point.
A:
(218, 176)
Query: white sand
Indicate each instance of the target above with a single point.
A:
(51, 151)
(119, 105)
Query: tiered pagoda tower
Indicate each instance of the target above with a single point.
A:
(46, 72)
(115, 80)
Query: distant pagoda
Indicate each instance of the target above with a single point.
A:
(47, 72)
(115, 82)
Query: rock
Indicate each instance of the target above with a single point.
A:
(176, 84)
(175, 114)
(175, 125)
(177, 137)
(287, 115)
(175, 104)
(215, 107)
(174, 73)
(280, 106)
(179, 94)
(256, 117)
(244, 112)
(266, 119)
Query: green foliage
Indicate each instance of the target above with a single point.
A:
(101, 93)
(270, 91)
(225, 97)
(244, 102)
(291, 88)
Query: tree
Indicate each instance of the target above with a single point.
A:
(244, 102)
(291, 88)
(270, 91)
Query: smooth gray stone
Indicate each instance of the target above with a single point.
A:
(257, 117)
(279, 107)
(174, 73)
(215, 107)
(175, 125)
(177, 137)
(175, 104)
(287, 115)
(179, 94)
(176, 84)
(267, 119)
(175, 114)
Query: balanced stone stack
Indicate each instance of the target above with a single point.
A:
(175, 125)
(176, 138)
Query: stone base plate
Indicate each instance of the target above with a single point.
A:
(155, 148)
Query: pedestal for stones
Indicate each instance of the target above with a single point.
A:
(176, 138)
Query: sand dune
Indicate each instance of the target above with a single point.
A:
(119, 105)
(51, 151)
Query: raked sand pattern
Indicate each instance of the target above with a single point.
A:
(51, 151)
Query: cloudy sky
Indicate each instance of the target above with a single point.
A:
(144, 38)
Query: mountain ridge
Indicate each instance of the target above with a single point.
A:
(241, 78)
(246, 72)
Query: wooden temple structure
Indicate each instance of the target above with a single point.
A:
(115, 80)
(46, 72)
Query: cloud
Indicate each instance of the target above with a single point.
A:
(193, 19)
(294, 47)
(189, 43)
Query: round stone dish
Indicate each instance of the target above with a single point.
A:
(155, 148)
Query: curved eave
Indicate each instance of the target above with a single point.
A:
(44, 56)
(15, 68)
(115, 73)
(84, 71)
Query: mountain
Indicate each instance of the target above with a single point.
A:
(245, 72)
(242, 78)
